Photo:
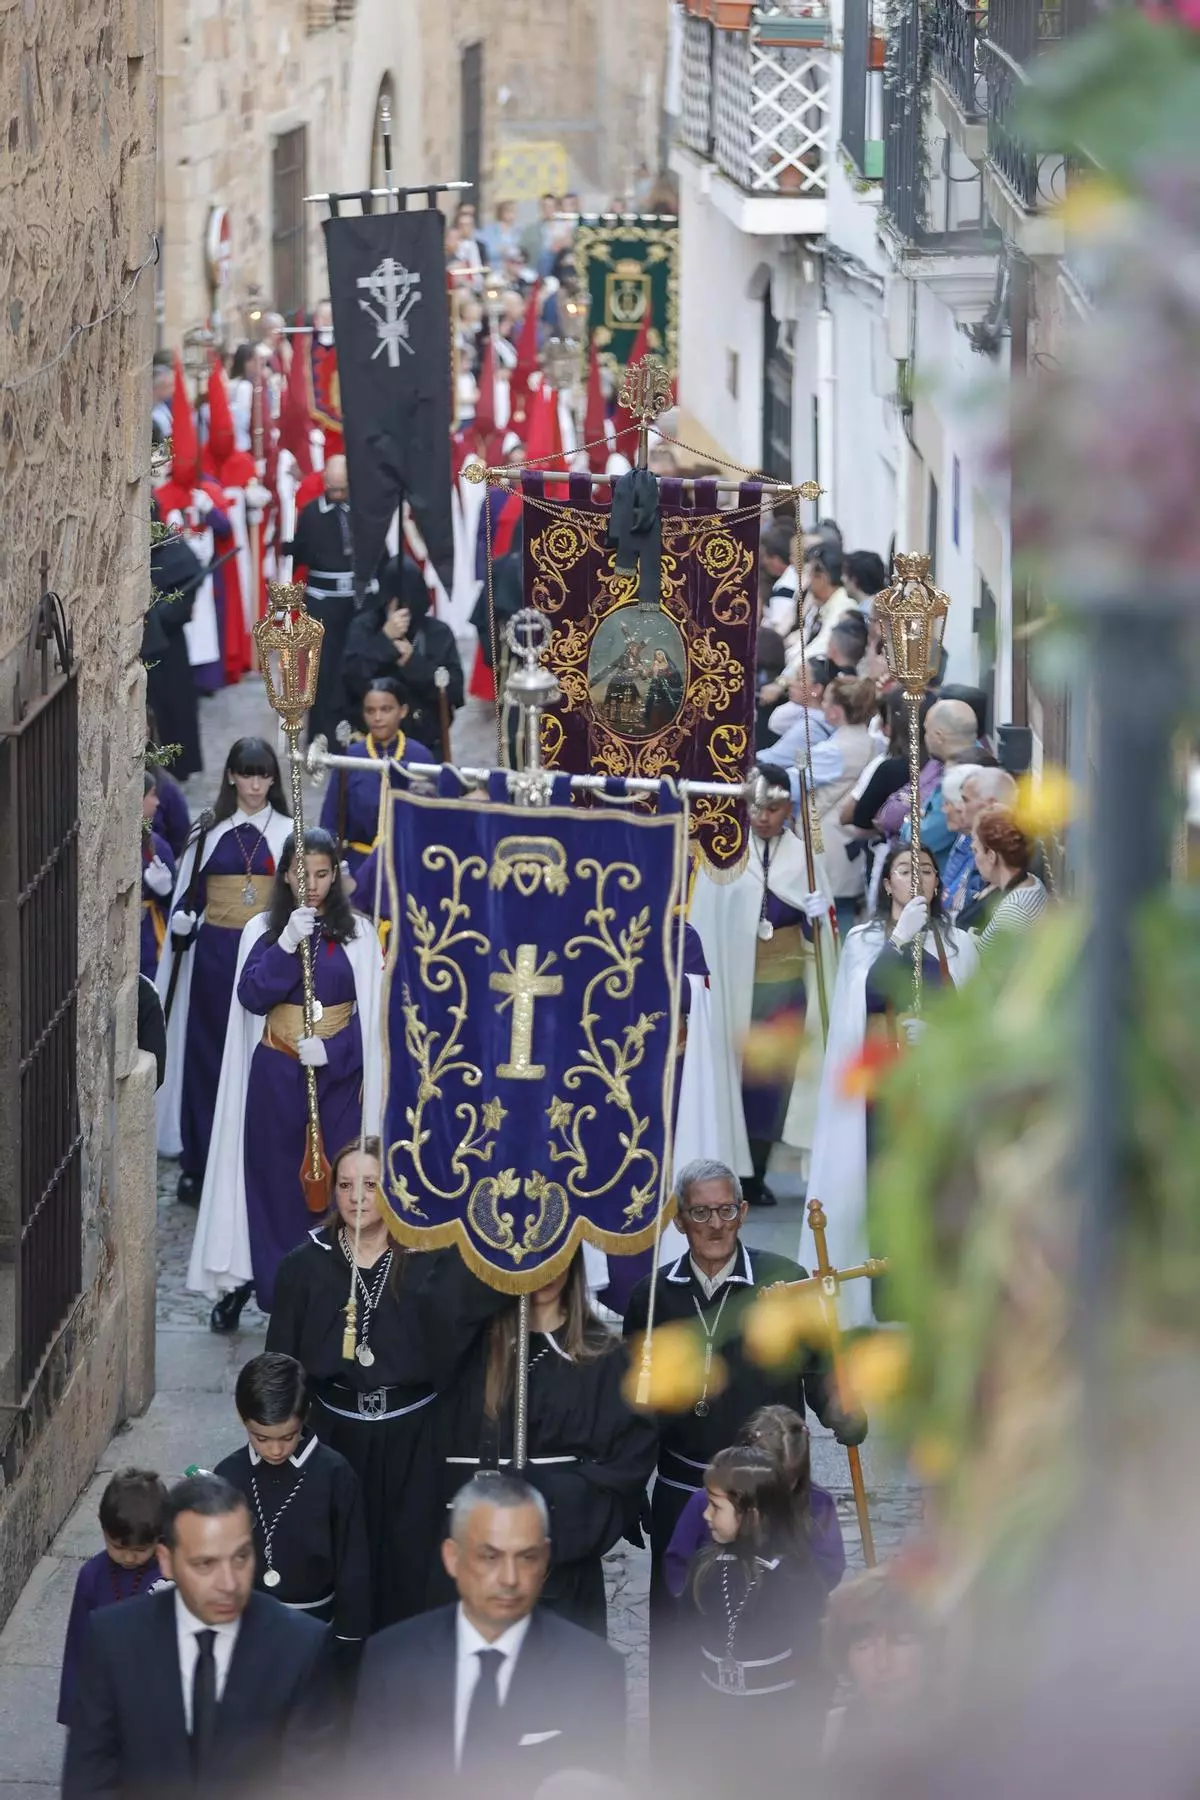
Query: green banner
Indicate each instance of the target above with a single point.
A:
(629, 266)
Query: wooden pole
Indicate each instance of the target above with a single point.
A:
(830, 1280)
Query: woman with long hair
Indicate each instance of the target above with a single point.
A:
(757, 1599)
(351, 807)
(224, 880)
(374, 1407)
(875, 979)
(589, 1455)
(253, 1208)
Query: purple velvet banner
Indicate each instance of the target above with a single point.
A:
(659, 691)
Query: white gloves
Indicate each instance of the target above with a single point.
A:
(815, 905)
(911, 922)
(202, 502)
(298, 927)
(914, 1029)
(158, 877)
(258, 498)
(312, 1051)
(182, 924)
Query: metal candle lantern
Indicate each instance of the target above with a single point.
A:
(288, 642)
(912, 614)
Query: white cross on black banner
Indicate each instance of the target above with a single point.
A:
(387, 282)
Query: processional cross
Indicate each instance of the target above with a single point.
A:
(826, 1284)
(522, 983)
(397, 290)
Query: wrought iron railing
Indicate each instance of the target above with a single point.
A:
(862, 89)
(905, 186)
(40, 1138)
(957, 32)
(1017, 32)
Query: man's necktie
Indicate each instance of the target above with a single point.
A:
(482, 1738)
(204, 1697)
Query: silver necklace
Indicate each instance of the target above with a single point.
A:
(362, 1350)
(702, 1408)
(271, 1575)
(731, 1676)
(766, 930)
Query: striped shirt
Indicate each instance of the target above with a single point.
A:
(1020, 908)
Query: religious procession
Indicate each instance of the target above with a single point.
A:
(603, 1173)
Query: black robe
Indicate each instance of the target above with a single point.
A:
(319, 1535)
(175, 574)
(689, 1441)
(322, 543)
(370, 652)
(590, 1457)
(379, 1418)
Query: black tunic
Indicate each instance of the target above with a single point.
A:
(175, 574)
(379, 1418)
(589, 1456)
(313, 1510)
(322, 543)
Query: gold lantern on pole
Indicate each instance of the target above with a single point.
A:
(912, 614)
(288, 643)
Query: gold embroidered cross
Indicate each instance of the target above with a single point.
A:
(521, 984)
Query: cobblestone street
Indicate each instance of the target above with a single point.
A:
(192, 1416)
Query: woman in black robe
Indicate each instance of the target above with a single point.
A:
(376, 1408)
(400, 637)
(175, 574)
(589, 1455)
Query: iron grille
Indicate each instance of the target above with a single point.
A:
(40, 1138)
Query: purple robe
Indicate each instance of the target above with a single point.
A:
(277, 1102)
(692, 1534)
(350, 810)
(154, 906)
(100, 1582)
(173, 820)
(214, 965)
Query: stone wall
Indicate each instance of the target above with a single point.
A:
(77, 110)
(583, 74)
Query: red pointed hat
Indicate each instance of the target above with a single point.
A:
(185, 445)
(220, 419)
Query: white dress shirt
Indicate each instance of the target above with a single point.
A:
(468, 1643)
(186, 1627)
(710, 1283)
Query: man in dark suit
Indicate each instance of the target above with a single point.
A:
(493, 1691)
(193, 1691)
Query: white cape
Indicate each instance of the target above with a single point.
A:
(277, 830)
(726, 914)
(220, 1257)
(695, 1121)
(838, 1177)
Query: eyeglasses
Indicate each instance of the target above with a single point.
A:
(700, 1215)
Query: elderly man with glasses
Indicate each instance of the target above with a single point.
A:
(711, 1288)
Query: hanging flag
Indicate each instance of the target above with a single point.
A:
(388, 287)
(629, 268)
(531, 1056)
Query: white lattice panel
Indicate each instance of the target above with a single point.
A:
(694, 122)
(789, 118)
(731, 105)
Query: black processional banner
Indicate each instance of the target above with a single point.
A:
(387, 282)
(529, 1044)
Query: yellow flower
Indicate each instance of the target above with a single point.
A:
(674, 1379)
(781, 1320)
(494, 1115)
(874, 1371)
(1044, 804)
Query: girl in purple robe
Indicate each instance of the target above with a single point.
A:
(171, 820)
(253, 1207)
(351, 808)
(158, 878)
(131, 1509)
(224, 880)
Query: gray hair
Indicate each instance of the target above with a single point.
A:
(955, 780)
(705, 1168)
(488, 1489)
(994, 784)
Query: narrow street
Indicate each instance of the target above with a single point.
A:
(192, 1417)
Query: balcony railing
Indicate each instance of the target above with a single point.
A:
(1017, 33)
(863, 57)
(905, 190)
(958, 30)
(756, 93)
